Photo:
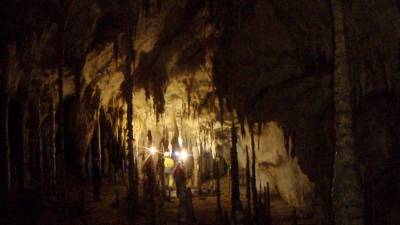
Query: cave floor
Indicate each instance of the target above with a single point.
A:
(105, 212)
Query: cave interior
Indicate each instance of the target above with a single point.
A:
(200, 112)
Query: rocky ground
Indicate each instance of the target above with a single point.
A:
(107, 212)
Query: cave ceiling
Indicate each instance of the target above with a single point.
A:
(254, 60)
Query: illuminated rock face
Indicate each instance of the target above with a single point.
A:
(277, 165)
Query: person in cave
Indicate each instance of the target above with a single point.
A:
(97, 181)
(179, 178)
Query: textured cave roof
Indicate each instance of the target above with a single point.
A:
(271, 59)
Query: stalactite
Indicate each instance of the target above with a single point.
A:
(211, 9)
(149, 139)
(221, 110)
(159, 5)
(388, 73)
(242, 127)
(286, 139)
(259, 135)
(116, 51)
(189, 89)
(146, 7)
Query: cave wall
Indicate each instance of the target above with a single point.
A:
(277, 165)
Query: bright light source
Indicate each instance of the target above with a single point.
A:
(183, 155)
(167, 154)
(152, 150)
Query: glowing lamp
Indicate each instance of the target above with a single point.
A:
(152, 150)
(183, 155)
(167, 154)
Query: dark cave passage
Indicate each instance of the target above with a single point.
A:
(199, 112)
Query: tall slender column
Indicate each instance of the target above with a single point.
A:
(348, 202)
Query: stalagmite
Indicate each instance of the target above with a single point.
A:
(22, 147)
(97, 174)
(34, 142)
(200, 160)
(161, 167)
(148, 192)
(132, 194)
(131, 16)
(97, 179)
(116, 205)
(235, 195)
(98, 140)
(82, 202)
(218, 188)
(40, 143)
(5, 170)
(121, 151)
(348, 203)
(149, 185)
(267, 202)
(253, 172)
(89, 162)
(248, 183)
(294, 217)
(104, 144)
(52, 147)
(62, 27)
(226, 219)
(60, 151)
